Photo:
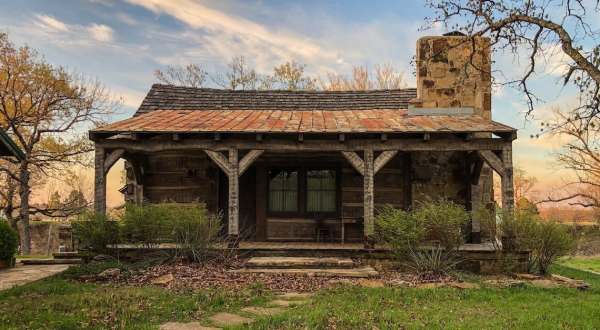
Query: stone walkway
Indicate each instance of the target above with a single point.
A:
(246, 315)
(20, 274)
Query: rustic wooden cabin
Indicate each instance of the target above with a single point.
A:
(314, 166)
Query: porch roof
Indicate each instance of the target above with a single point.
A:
(300, 121)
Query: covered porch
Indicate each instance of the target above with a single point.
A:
(336, 174)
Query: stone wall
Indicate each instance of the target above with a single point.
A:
(48, 236)
(452, 72)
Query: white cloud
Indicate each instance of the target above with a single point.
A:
(222, 33)
(100, 32)
(50, 24)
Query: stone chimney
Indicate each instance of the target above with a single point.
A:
(453, 75)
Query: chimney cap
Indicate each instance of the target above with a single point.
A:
(454, 34)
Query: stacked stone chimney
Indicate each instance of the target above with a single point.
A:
(454, 73)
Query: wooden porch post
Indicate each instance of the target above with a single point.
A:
(99, 181)
(234, 169)
(234, 186)
(508, 195)
(369, 199)
(368, 167)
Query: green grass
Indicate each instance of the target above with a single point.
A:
(583, 263)
(60, 303)
(446, 308)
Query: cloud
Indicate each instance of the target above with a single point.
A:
(50, 23)
(100, 32)
(226, 34)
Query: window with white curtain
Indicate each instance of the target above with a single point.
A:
(283, 191)
(320, 191)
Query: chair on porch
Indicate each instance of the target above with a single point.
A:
(322, 231)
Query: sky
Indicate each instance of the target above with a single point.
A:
(121, 43)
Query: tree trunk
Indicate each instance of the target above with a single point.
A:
(24, 210)
(10, 207)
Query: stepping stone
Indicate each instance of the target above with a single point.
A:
(185, 326)
(263, 311)
(363, 272)
(299, 262)
(464, 285)
(293, 295)
(287, 303)
(228, 319)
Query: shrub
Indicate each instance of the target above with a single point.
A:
(148, 225)
(443, 221)
(546, 240)
(9, 241)
(194, 230)
(95, 232)
(430, 263)
(551, 241)
(399, 229)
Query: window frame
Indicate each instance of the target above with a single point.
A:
(303, 192)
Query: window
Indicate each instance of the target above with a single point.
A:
(320, 191)
(283, 191)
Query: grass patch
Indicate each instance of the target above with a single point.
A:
(60, 303)
(394, 308)
(583, 263)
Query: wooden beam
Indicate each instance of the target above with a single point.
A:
(368, 198)
(383, 159)
(234, 186)
(355, 161)
(476, 167)
(99, 181)
(307, 145)
(112, 158)
(220, 160)
(492, 160)
(508, 194)
(248, 159)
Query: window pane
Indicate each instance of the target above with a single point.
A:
(283, 191)
(321, 191)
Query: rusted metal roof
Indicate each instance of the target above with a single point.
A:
(299, 121)
(162, 97)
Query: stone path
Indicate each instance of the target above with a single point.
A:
(20, 274)
(246, 315)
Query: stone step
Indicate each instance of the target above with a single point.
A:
(71, 261)
(66, 255)
(363, 272)
(299, 262)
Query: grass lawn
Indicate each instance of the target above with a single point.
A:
(59, 303)
(583, 263)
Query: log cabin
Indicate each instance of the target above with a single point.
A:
(314, 166)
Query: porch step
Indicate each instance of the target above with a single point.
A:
(363, 272)
(299, 262)
(66, 255)
(71, 261)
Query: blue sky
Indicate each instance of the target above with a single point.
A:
(122, 42)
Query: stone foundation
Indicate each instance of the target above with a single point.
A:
(47, 237)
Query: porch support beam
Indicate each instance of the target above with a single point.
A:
(112, 158)
(233, 168)
(355, 161)
(508, 194)
(99, 181)
(369, 199)
(248, 159)
(383, 159)
(494, 161)
(306, 145)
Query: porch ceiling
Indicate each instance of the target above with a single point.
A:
(300, 121)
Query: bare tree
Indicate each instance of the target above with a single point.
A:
(534, 28)
(290, 76)
(239, 75)
(581, 155)
(384, 77)
(191, 75)
(44, 107)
